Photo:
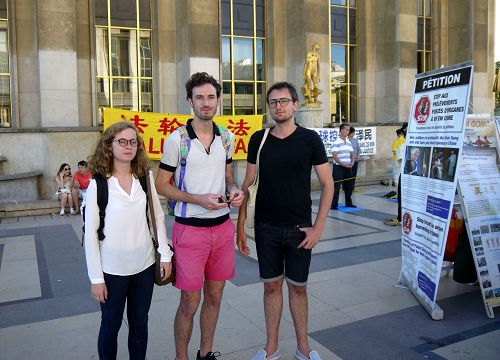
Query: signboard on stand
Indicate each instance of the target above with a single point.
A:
(479, 183)
(428, 174)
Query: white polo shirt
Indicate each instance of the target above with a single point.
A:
(205, 171)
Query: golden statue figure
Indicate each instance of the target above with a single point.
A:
(311, 90)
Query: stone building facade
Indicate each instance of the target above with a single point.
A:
(65, 59)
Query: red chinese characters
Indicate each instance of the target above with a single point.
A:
(168, 126)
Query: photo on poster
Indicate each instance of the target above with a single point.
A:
(488, 294)
(443, 163)
(481, 261)
(483, 273)
(417, 160)
(486, 283)
(471, 140)
(485, 229)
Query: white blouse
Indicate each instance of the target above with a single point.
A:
(127, 248)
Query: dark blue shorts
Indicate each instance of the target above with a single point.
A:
(278, 254)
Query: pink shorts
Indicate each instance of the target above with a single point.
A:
(203, 253)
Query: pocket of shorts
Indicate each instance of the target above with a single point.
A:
(177, 239)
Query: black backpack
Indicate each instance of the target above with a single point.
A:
(102, 202)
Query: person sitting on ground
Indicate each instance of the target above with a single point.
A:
(65, 193)
(81, 181)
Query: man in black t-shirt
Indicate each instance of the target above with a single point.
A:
(284, 233)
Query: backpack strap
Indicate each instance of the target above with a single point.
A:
(102, 202)
(226, 139)
(185, 146)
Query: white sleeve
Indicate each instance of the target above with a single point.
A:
(163, 249)
(92, 248)
(171, 149)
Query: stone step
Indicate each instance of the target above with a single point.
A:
(45, 207)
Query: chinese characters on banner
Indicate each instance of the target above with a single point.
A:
(154, 128)
(367, 138)
(428, 174)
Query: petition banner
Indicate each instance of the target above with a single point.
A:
(479, 180)
(433, 143)
(155, 127)
(367, 138)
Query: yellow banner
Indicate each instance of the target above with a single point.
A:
(155, 127)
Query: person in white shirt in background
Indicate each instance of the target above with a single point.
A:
(343, 159)
(356, 152)
(121, 267)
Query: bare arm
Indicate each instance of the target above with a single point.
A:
(241, 236)
(59, 181)
(236, 195)
(313, 233)
(335, 156)
(163, 186)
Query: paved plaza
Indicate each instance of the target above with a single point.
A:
(356, 309)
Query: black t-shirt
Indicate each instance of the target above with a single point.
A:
(284, 195)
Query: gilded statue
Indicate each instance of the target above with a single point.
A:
(311, 90)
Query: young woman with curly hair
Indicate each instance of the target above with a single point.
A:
(121, 267)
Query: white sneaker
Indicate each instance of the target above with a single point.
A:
(313, 355)
(61, 212)
(72, 211)
(262, 355)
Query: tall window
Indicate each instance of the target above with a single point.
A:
(424, 36)
(5, 100)
(123, 52)
(343, 66)
(242, 55)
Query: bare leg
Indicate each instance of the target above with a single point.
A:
(212, 292)
(76, 199)
(183, 326)
(70, 200)
(297, 296)
(63, 198)
(273, 307)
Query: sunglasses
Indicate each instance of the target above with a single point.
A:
(67, 169)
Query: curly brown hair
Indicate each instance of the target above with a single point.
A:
(101, 160)
(199, 79)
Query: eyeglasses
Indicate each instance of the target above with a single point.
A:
(125, 142)
(67, 169)
(283, 102)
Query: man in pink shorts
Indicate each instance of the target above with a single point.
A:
(203, 234)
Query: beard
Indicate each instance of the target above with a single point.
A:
(282, 118)
(206, 116)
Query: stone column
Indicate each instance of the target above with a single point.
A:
(26, 52)
(164, 47)
(86, 74)
(197, 37)
(307, 22)
(57, 63)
